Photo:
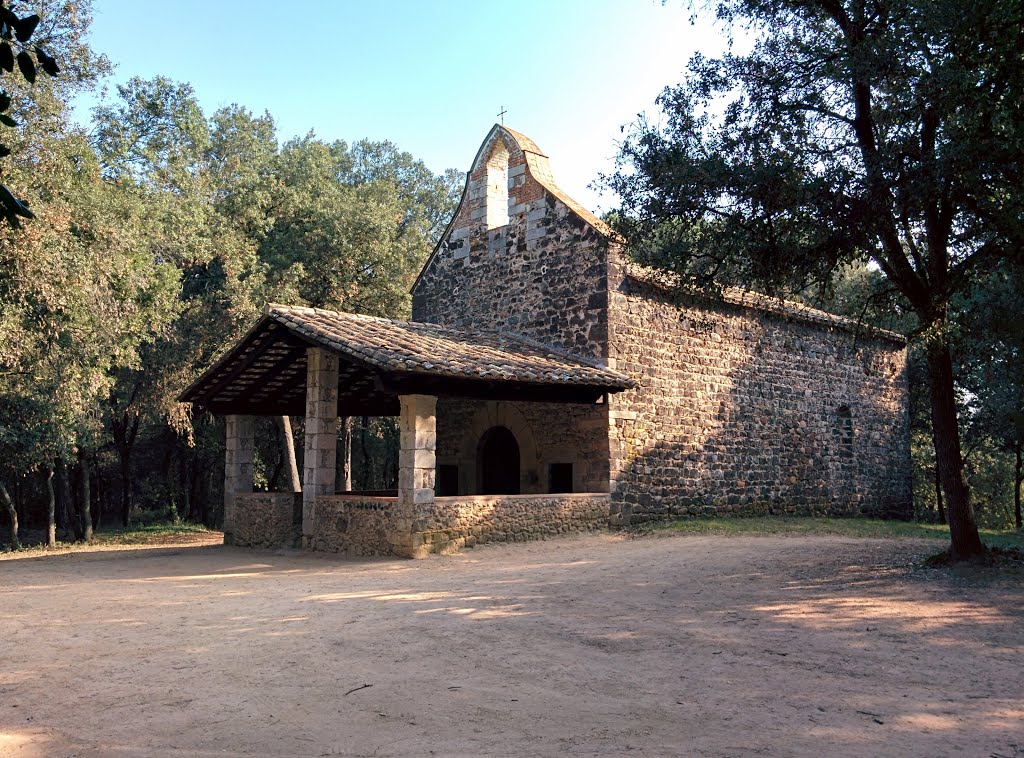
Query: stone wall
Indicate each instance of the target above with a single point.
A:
(355, 526)
(465, 521)
(541, 273)
(546, 432)
(359, 527)
(265, 520)
(743, 411)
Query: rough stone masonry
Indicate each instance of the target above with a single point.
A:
(744, 404)
(547, 385)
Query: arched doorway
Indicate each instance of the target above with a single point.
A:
(498, 462)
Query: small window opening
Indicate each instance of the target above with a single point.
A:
(560, 477)
(845, 425)
(497, 187)
(447, 480)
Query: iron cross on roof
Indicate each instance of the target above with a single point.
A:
(501, 115)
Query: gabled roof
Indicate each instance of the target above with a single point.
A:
(539, 169)
(382, 358)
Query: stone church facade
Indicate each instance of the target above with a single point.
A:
(545, 385)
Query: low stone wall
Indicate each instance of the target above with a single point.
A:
(353, 525)
(265, 520)
(359, 526)
(468, 520)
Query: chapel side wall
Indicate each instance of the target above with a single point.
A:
(741, 411)
(546, 433)
(542, 275)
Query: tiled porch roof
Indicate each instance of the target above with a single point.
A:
(380, 359)
(416, 347)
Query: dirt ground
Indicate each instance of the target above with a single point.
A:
(604, 645)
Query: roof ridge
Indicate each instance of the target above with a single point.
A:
(668, 281)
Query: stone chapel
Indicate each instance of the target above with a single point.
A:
(546, 385)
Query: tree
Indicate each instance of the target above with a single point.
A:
(854, 130)
(15, 34)
(155, 145)
(79, 296)
(246, 223)
(991, 350)
(352, 227)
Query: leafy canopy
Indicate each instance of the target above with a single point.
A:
(891, 131)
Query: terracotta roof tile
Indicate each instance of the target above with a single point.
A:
(421, 348)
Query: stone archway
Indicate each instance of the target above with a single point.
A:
(497, 461)
(493, 414)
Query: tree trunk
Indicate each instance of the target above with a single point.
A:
(126, 489)
(18, 485)
(368, 474)
(166, 463)
(278, 467)
(184, 486)
(284, 427)
(86, 510)
(938, 490)
(345, 454)
(198, 511)
(68, 518)
(965, 543)
(1018, 479)
(287, 443)
(51, 515)
(13, 514)
(124, 429)
(212, 517)
(98, 510)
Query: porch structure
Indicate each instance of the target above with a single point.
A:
(324, 364)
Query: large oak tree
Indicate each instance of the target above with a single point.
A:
(882, 130)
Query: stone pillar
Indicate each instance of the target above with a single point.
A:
(321, 433)
(416, 466)
(239, 439)
(416, 460)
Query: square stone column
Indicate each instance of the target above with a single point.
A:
(321, 433)
(416, 459)
(240, 436)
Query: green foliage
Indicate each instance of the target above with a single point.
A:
(80, 293)
(853, 131)
(55, 31)
(990, 342)
(15, 33)
(353, 226)
(152, 535)
(161, 236)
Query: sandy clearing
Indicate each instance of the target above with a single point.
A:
(601, 645)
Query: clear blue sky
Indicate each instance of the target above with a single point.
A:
(429, 75)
